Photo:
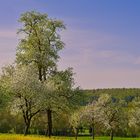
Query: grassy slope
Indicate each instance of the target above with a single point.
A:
(20, 137)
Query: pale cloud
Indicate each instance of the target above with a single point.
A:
(8, 34)
(8, 43)
(84, 47)
(108, 78)
(137, 60)
(88, 38)
(6, 59)
(96, 65)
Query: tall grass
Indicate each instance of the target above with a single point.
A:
(21, 137)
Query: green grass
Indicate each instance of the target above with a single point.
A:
(21, 137)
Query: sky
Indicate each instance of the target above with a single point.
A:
(102, 39)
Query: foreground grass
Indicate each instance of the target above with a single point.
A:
(21, 137)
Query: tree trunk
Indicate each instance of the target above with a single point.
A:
(40, 73)
(111, 135)
(93, 135)
(27, 128)
(49, 114)
(44, 74)
(76, 134)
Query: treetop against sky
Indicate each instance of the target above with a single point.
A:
(102, 38)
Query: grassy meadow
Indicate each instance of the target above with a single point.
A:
(21, 137)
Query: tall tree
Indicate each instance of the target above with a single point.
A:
(41, 42)
(109, 112)
(134, 113)
(40, 45)
(75, 121)
(24, 86)
(60, 92)
(90, 117)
